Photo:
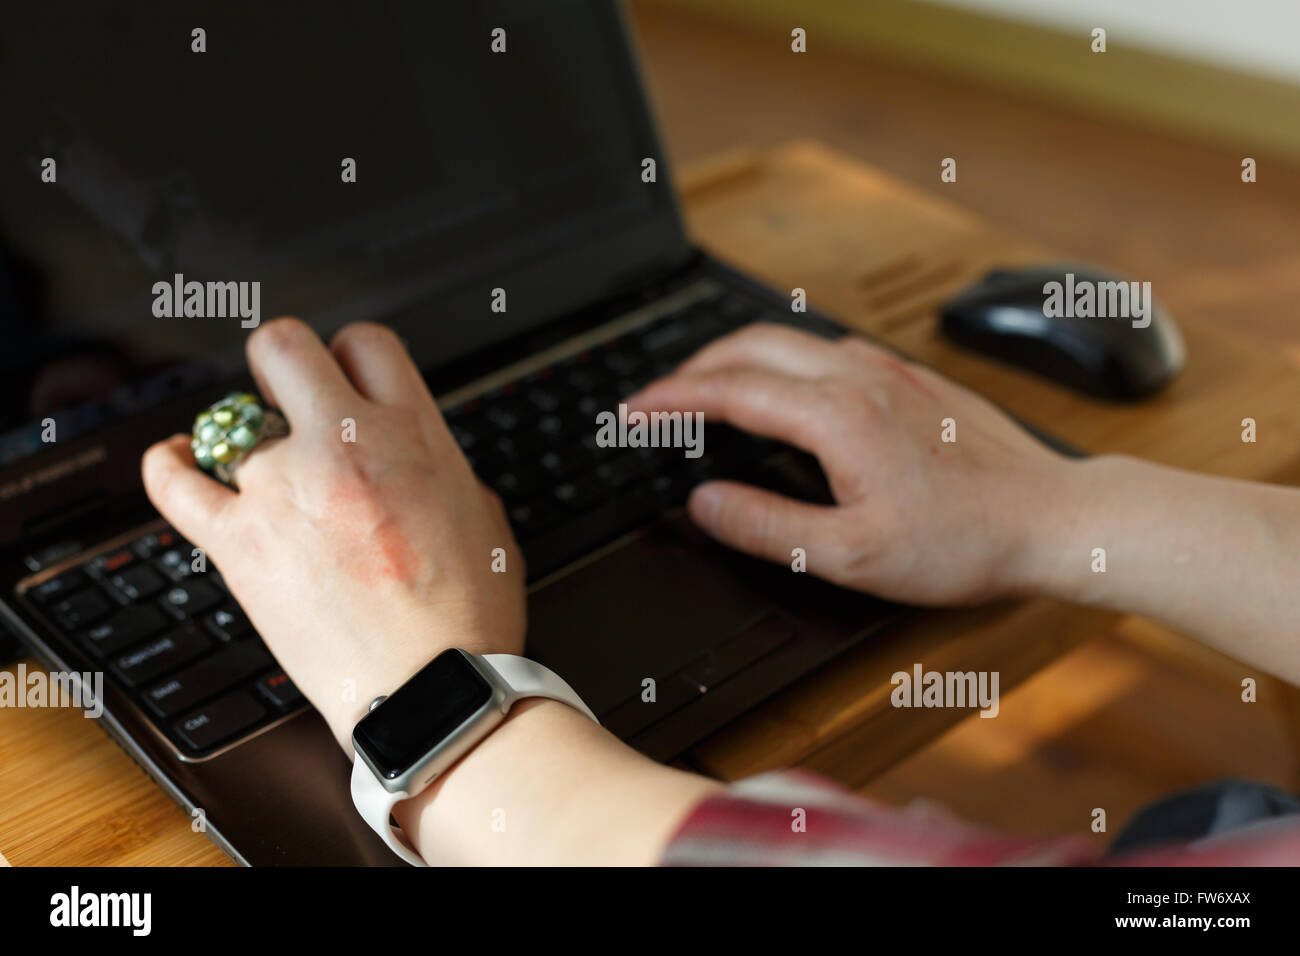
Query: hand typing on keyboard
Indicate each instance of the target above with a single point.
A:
(917, 518)
(358, 561)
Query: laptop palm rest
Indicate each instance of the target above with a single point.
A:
(644, 610)
(717, 631)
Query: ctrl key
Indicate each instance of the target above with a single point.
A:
(219, 720)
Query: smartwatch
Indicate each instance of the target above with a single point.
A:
(433, 720)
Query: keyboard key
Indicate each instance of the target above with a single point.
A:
(581, 494)
(669, 488)
(512, 486)
(585, 378)
(621, 471)
(110, 563)
(280, 691)
(562, 462)
(518, 446)
(556, 543)
(157, 657)
(504, 417)
(530, 520)
(58, 587)
(81, 609)
(465, 438)
(128, 626)
(622, 364)
(49, 556)
(191, 598)
(175, 565)
(219, 720)
(593, 448)
(228, 624)
(553, 426)
(138, 582)
(214, 675)
(545, 398)
(154, 544)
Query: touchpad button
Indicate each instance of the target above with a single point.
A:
(664, 600)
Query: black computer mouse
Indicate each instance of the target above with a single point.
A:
(1074, 324)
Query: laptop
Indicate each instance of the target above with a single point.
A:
(487, 168)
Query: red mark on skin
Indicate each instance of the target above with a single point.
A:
(908, 374)
(360, 526)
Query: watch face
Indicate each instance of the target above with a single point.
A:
(422, 713)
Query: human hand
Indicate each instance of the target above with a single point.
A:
(916, 519)
(357, 562)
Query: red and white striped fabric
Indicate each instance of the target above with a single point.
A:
(795, 818)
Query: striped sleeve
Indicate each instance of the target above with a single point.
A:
(794, 818)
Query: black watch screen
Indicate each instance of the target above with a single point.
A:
(421, 713)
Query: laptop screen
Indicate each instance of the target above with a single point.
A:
(348, 159)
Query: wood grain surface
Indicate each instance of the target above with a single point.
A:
(880, 256)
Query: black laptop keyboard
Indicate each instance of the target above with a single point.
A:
(533, 441)
(174, 640)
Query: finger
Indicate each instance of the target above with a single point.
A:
(264, 389)
(194, 503)
(381, 368)
(378, 365)
(777, 348)
(291, 361)
(761, 523)
(776, 406)
(269, 462)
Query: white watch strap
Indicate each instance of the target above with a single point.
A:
(527, 678)
(523, 678)
(375, 804)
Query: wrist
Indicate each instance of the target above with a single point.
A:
(549, 787)
(1083, 509)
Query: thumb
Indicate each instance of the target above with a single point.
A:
(192, 502)
(759, 522)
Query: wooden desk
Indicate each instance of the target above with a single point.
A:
(879, 256)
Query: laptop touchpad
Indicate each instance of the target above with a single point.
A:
(644, 609)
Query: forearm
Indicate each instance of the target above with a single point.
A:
(550, 787)
(1214, 557)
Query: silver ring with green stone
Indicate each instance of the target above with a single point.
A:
(226, 431)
